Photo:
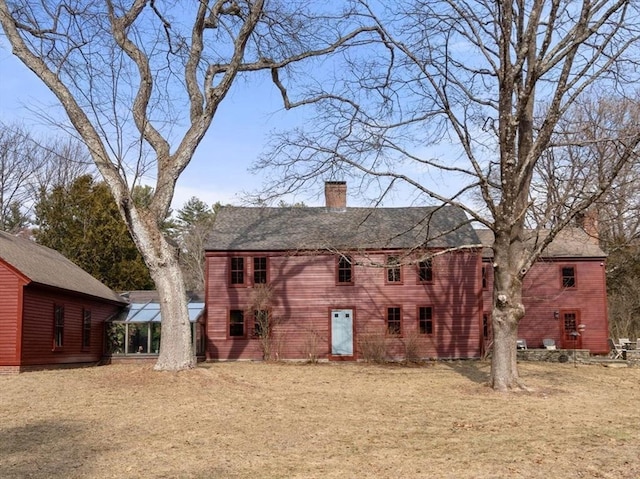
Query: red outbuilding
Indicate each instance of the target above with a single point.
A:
(51, 311)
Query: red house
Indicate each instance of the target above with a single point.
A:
(338, 283)
(564, 293)
(51, 311)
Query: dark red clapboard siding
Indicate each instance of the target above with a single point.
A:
(305, 291)
(37, 328)
(543, 295)
(10, 286)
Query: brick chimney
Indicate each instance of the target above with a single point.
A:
(335, 195)
(588, 221)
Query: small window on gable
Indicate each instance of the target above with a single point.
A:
(345, 270)
(394, 321)
(236, 323)
(394, 271)
(58, 326)
(425, 320)
(86, 328)
(568, 277)
(260, 270)
(237, 270)
(425, 271)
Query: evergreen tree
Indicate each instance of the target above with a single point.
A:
(82, 222)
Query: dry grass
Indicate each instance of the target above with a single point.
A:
(241, 420)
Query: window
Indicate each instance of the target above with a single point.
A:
(568, 277)
(425, 320)
(58, 326)
(86, 328)
(261, 324)
(236, 323)
(425, 271)
(484, 277)
(485, 326)
(345, 270)
(394, 321)
(237, 270)
(260, 270)
(393, 270)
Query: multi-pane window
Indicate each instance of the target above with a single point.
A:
(425, 320)
(236, 323)
(393, 270)
(237, 270)
(568, 277)
(261, 323)
(86, 328)
(425, 271)
(394, 321)
(345, 270)
(58, 326)
(485, 326)
(260, 270)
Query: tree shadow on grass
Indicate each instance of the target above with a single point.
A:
(476, 371)
(45, 449)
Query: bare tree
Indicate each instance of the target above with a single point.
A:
(30, 165)
(461, 101)
(141, 83)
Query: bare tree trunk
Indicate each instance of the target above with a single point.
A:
(176, 352)
(508, 309)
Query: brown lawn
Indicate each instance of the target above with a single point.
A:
(254, 420)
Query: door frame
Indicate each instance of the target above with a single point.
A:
(342, 357)
(567, 342)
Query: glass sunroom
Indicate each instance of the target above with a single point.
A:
(138, 331)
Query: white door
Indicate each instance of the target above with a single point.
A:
(342, 332)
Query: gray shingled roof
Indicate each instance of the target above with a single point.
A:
(569, 243)
(286, 229)
(48, 267)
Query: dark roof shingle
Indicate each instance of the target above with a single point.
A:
(569, 243)
(47, 267)
(296, 228)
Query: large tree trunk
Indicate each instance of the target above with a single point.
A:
(176, 350)
(507, 311)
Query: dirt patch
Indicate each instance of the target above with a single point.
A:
(240, 420)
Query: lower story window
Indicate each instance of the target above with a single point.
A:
(425, 320)
(394, 321)
(58, 326)
(86, 328)
(236, 323)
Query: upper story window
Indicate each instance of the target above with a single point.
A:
(394, 321)
(345, 270)
(425, 271)
(394, 271)
(425, 320)
(260, 270)
(58, 326)
(569, 279)
(237, 270)
(484, 278)
(86, 328)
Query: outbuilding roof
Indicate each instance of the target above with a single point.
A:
(47, 267)
(569, 243)
(316, 228)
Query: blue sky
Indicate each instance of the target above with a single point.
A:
(219, 170)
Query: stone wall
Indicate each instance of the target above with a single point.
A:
(553, 355)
